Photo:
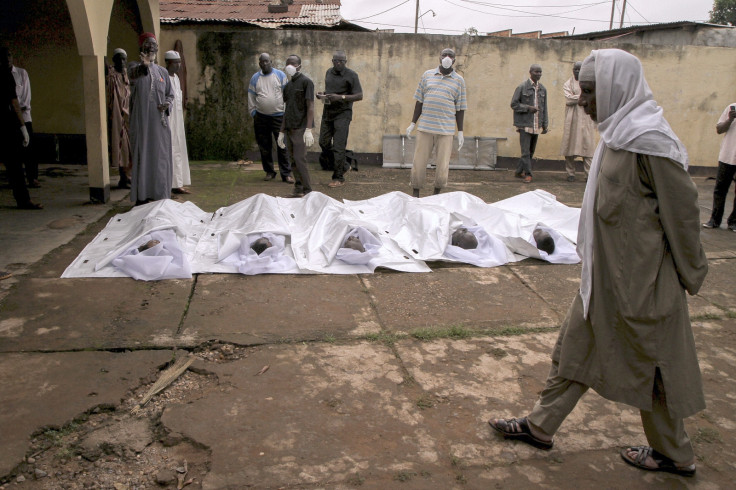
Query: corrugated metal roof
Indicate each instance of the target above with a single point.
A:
(645, 27)
(300, 12)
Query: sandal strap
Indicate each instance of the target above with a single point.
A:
(643, 452)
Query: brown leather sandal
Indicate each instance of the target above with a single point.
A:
(519, 429)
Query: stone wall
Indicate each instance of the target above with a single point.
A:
(221, 60)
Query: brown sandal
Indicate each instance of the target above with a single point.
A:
(663, 462)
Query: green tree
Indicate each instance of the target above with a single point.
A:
(724, 12)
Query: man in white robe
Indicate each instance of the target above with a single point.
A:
(180, 177)
(578, 138)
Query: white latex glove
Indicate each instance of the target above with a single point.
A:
(460, 140)
(26, 138)
(280, 140)
(308, 138)
(409, 130)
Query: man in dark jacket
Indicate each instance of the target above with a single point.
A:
(530, 118)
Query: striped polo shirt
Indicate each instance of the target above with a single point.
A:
(441, 97)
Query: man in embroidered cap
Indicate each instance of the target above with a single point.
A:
(118, 116)
(151, 99)
(181, 176)
(627, 334)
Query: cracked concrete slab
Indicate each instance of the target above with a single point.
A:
(274, 308)
(472, 297)
(557, 288)
(719, 287)
(341, 410)
(41, 390)
(92, 313)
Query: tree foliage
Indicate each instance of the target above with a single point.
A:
(724, 12)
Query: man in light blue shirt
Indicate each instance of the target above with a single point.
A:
(266, 106)
(441, 104)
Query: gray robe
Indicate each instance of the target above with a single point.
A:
(646, 254)
(150, 140)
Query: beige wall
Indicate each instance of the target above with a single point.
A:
(390, 65)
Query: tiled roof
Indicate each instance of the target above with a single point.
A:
(324, 13)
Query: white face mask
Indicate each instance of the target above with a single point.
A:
(447, 62)
(290, 70)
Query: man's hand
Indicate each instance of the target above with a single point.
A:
(163, 107)
(460, 140)
(732, 113)
(533, 109)
(409, 130)
(280, 140)
(26, 138)
(308, 138)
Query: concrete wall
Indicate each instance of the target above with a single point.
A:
(220, 62)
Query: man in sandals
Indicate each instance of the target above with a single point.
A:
(627, 334)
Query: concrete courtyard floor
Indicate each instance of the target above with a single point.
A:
(384, 380)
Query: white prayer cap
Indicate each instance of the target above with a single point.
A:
(587, 71)
(120, 51)
(172, 55)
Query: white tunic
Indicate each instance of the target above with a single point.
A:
(178, 138)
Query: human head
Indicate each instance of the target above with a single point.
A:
(450, 55)
(295, 62)
(260, 245)
(544, 241)
(148, 244)
(354, 243)
(6, 58)
(119, 59)
(463, 238)
(173, 62)
(264, 61)
(339, 60)
(576, 69)
(535, 72)
(586, 78)
(148, 46)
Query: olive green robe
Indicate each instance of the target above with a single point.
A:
(646, 253)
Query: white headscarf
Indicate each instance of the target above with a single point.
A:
(628, 119)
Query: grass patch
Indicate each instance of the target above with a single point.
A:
(425, 401)
(707, 435)
(731, 314)
(383, 337)
(706, 316)
(329, 338)
(403, 476)
(453, 332)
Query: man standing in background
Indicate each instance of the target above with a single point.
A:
(530, 118)
(342, 88)
(118, 111)
(179, 153)
(266, 106)
(726, 170)
(151, 98)
(578, 138)
(296, 128)
(23, 90)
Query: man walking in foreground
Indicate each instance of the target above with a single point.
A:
(627, 333)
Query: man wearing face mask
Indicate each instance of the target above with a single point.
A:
(342, 88)
(266, 106)
(296, 126)
(441, 104)
(530, 118)
(151, 98)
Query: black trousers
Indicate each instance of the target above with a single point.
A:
(724, 178)
(297, 152)
(11, 147)
(266, 129)
(28, 157)
(333, 136)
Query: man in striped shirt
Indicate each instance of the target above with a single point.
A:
(441, 104)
